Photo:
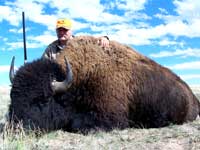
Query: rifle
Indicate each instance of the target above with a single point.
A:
(24, 37)
(12, 72)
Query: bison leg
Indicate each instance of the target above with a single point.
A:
(91, 122)
(82, 122)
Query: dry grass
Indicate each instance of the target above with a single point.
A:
(175, 137)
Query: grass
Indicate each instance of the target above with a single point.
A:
(174, 137)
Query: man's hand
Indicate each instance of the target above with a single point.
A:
(104, 41)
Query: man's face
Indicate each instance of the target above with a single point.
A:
(63, 34)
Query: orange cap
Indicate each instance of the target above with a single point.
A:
(64, 23)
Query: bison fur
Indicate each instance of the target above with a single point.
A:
(112, 88)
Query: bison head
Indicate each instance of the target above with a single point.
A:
(36, 97)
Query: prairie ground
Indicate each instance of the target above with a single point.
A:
(174, 137)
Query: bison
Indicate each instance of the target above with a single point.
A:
(89, 88)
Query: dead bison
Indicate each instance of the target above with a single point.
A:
(95, 88)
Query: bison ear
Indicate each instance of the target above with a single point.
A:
(12, 72)
(60, 87)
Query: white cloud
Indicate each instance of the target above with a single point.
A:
(163, 11)
(40, 40)
(190, 76)
(85, 9)
(9, 14)
(186, 66)
(167, 42)
(34, 11)
(15, 30)
(181, 53)
(4, 68)
(179, 28)
(14, 45)
(3, 38)
(32, 42)
(130, 36)
(138, 35)
(135, 5)
(118, 27)
(187, 20)
(131, 26)
(188, 9)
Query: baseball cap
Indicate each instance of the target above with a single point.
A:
(64, 23)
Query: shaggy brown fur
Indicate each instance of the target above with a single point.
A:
(126, 87)
(112, 88)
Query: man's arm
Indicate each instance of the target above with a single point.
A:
(104, 41)
(50, 51)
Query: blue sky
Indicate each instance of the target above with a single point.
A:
(167, 31)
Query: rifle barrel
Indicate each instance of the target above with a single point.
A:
(24, 38)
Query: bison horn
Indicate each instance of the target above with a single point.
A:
(12, 72)
(59, 87)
